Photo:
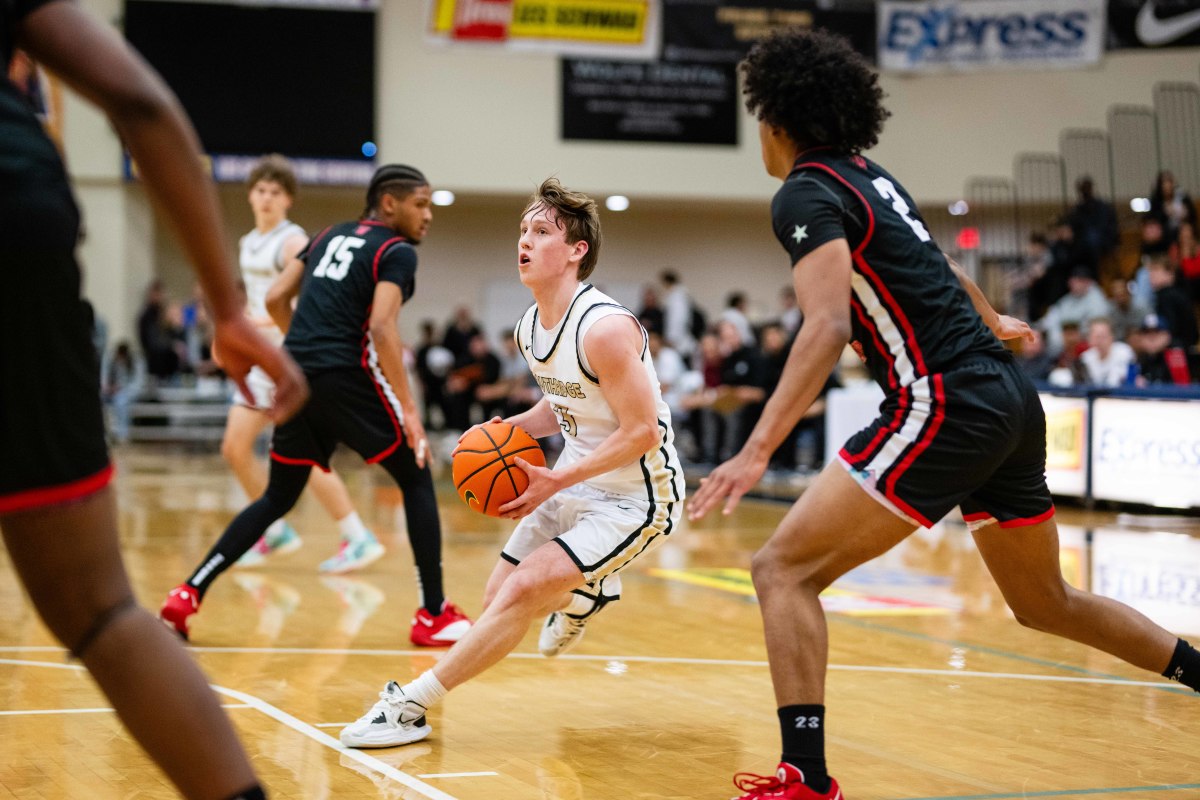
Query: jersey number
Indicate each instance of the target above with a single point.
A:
(565, 420)
(888, 190)
(341, 249)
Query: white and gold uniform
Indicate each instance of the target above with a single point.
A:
(606, 521)
(261, 260)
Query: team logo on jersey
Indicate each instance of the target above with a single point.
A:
(800, 234)
(559, 388)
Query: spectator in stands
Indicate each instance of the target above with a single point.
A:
(1171, 304)
(790, 316)
(459, 333)
(672, 380)
(1068, 371)
(433, 363)
(1033, 358)
(735, 314)
(709, 358)
(677, 315)
(122, 378)
(1094, 225)
(157, 348)
(1154, 240)
(1106, 362)
(734, 405)
(1040, 282)
(1150, 343)
(477, 368)
(521, 391)
(1124, 312)
(1189, 261)
(651, 313)
(1171, 205)
(1082, 303)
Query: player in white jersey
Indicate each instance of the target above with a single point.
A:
(265, 250)
(615, 492)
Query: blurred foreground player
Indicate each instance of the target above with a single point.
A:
(57, 510)
(352, 280)
(961, 424)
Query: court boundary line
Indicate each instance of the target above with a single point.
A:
(1170, 787)
(301, 727)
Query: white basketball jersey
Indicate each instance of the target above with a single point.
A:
(260, 263)
(558, 364)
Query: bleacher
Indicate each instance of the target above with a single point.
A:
(180, 413)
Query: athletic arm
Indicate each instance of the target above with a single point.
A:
(613, 347)
(95, 61)
(821, 280)
(284, 291)
(1003, 326)
(539, 421)
(385, 334)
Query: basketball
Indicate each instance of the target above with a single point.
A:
(485, 472)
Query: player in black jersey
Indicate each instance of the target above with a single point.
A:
(57, 511)
(960, 425)
(352, 279)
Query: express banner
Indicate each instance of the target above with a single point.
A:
(724, 30)
(602, 28)
(938, 36)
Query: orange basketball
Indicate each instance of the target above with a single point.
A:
(485, 472)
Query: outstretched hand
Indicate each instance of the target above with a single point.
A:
(239, 346)
(542, 484)
(730, 480)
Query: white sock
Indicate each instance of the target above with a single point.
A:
(352, 528)
(275, 529)
(426, 689)
(579, 605)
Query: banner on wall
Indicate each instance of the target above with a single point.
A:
(940, 36)
(724, 30)
(1146, 451)
(601, 28)
(1155, 573)
(640, 101)
(1066, 444)
(1146, 23)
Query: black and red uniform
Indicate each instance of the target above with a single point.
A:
(960, 424)
(52, 444)
(351, 400)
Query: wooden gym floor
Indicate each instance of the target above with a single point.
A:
(935, 693)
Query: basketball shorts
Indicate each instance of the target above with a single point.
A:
(52, 443)
(349, 406)
(262, 389)
(974, 436)
(601, 532)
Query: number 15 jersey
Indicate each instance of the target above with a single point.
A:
(909, 313)
(342, 266)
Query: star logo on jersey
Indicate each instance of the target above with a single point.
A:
(800, 234)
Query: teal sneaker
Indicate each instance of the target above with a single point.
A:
(286, 541)
(353, 555)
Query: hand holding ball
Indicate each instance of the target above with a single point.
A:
(484, 467)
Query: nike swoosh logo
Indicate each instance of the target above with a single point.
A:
(1154, 30)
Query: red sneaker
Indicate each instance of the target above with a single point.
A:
(441, 631)
(787, 784)
(181, 603)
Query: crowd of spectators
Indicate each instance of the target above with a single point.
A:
(1143, 330)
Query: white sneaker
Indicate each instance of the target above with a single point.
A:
(352, 556)
(560, 633)
(394, 720)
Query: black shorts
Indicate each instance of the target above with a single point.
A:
(973, 436)
(353, 406)
(52, 443)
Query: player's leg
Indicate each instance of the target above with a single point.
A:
(1025, 564)
(358, 547)
(499, 575)
(243, 425)
(68, 559)
(284, 486)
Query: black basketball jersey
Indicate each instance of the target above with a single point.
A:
(342, 266)
(909, 313)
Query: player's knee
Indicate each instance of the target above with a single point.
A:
(235, 452)
(1047, 612)
(772, 568)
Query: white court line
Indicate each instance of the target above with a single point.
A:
(458, 775)
(300, 727)
(35, 711)
(710, 662)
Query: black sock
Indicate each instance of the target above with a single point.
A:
(1185, 666)
(424, 526)
(255, 793)
(803, 732)
(284, 486)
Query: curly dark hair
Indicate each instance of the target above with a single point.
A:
(817, 88)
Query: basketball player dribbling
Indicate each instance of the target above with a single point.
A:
(57, 509)
(616, 491)
(352, 280)
(961, 425)
(264, 252)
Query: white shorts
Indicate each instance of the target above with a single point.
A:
(601, 532)
(262, 387)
